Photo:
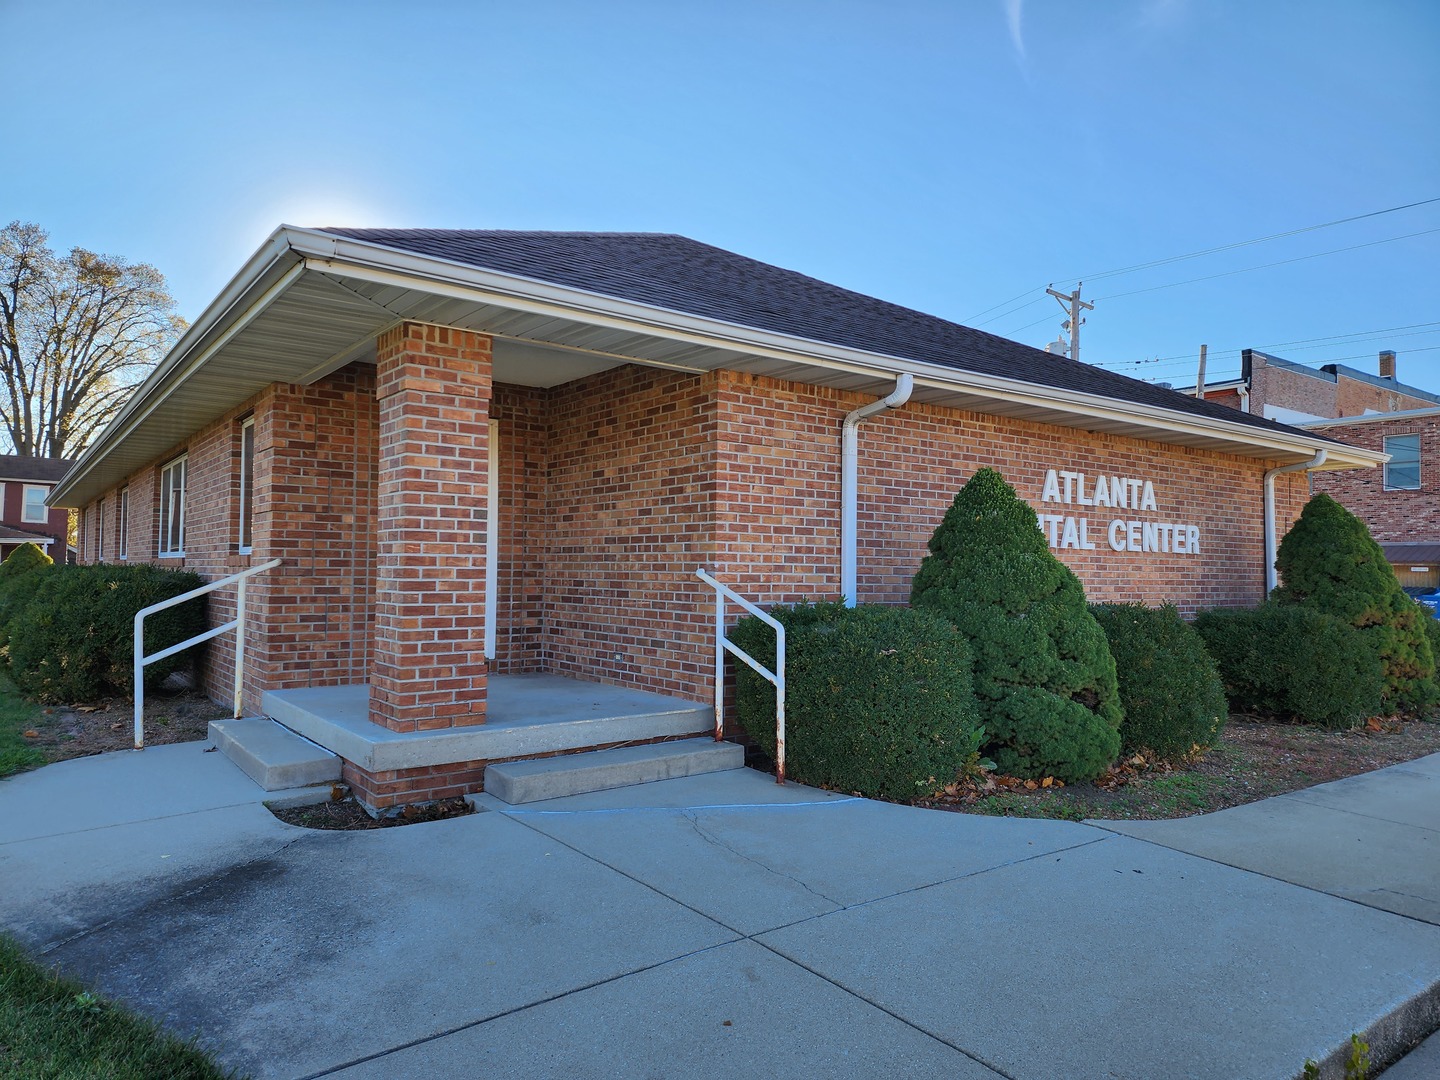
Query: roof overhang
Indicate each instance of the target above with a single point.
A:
(309, 302)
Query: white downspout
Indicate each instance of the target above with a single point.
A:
(850, 474)
(1271, 575)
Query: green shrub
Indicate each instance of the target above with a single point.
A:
(1328, 562)
(1293, 663)
(22, 560)
(878, 698)
(20, 576)
(1044, 677)
(1432, 634)
(1170, 689)
(74, 640)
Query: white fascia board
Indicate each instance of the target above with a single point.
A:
(385, 265)
(221, 315)
(1373, 418)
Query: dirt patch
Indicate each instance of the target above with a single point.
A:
(347, 815)
(1254, 760)
(172, 715)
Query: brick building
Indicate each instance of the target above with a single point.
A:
(486, 455)
(1295, 394)
(1401, 501)
(25, 485)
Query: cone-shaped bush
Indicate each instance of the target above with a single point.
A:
(1043, 675)
(1329, 562)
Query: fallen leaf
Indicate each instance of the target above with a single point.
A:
(32, 734)
(1047, 781)
(1031, 785)
(87, 708)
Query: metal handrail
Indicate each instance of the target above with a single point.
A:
(776, 678)
(237, 624)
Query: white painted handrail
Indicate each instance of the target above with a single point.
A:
(776, 678)
(237, 624)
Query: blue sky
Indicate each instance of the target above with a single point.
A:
(942, 155)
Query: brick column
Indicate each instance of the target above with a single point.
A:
(429, 672)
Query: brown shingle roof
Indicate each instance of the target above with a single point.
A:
(665, 270)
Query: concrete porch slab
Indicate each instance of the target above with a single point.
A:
(526, 716)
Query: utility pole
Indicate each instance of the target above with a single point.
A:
(1071, 305)
(1200, 376)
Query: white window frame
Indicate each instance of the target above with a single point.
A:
(244, 543)
(122, 524)
(1385, 445)
(44, 518)
(172, 511)
(100, 531)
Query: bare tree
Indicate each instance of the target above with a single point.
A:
(76, 335)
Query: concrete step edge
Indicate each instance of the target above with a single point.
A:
(272, 755)
(535, 780)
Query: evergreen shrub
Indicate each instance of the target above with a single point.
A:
(20, 576)
(22, 560)
(1328, 562)
(1044, 678)
(1170, 689)
(1290, 662)
(878, 698)
(74, 640)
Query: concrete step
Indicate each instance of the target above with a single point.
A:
(599, 770)
(272, 755)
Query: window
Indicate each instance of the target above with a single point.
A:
(172, 509)
(122, 526)
(34, 509)
(247, 481)
(1403, 471)
(100, 531)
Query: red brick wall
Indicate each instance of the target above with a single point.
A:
(1231, 398)
(778, 516)
(1318, 395)
(522, 414)
(311, 619)
(1395, 516)
(12, 512)
(630, 508)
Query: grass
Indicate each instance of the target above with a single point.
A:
(17, 716)
(52, 1028)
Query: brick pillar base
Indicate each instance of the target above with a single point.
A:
(429, 672)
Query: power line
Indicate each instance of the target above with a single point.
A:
(1195, 255)
(1266, 266)
(1300, 344)
(1248, 243)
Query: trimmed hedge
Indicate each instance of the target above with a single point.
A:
(74, 639)
(878, 699)
(1169, 686)
(1328, 562)
(1293, 663)
(1044, 677)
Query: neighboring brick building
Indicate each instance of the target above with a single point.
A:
(482, 454)
(1400, 502)
(1294, 394)
(25, 485)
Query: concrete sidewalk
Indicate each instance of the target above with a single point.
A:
(723, 925)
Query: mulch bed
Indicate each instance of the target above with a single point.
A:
(347, 815)
(97, 727)
(1253, 760)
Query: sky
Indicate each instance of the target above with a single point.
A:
(948, 155)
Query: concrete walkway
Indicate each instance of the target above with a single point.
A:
(721, 925)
